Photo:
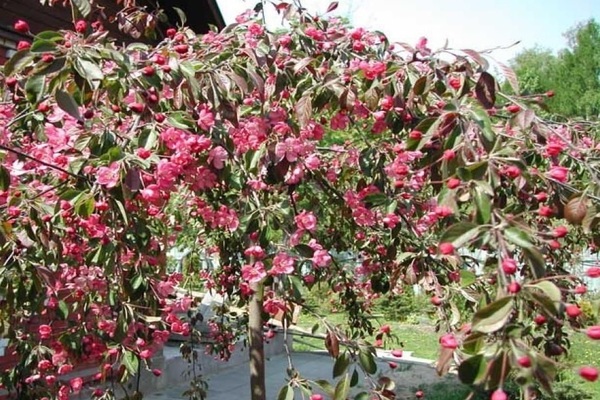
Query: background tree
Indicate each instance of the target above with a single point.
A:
(534, 68)
(573, 75)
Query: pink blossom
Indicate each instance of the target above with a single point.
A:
(217, 157)
(284, 40)
(448, 341)
(44, 365)
(164, 288)
(422, 46)
(593, 332)
(151, 194)
(294, 175)
(255, 251)
(446, 248)
(76, 384)
(397, 353)
(589, 373)
(314, 33)
(561, 174)
(146, 354)
(306, 221)
(593, 272)
(63, 392)
(45, 331)
(363, 216)
(499, 394)
(253, 273)
(108, 176)
(273, 306)
(372, 69)
(289, 149)
(65, 369)
(321, 258)
(282, 264)
(312, 162)
(443, 211)
(32, 378)
(206, 119)
(391, 220)
(339, 121)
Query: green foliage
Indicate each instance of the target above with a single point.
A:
(404, 307)
(533, 68)
(573, 75)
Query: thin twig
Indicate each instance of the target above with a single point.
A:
(19, 153)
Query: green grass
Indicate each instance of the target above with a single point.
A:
(422, 340)
(584, 351)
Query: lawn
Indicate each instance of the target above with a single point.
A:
(422, 341)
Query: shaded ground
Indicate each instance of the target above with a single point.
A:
(233, 383)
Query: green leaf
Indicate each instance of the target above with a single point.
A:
(518, 237)
(304, 250)
(460, 233)
(137, 282)
(18, 61)
(545, 372)
(354, 379)
(181, 15)
(536, 260)
(34, 88)
(131, 362)
(42, 46)
(483, 206)
(472, 370)
(341, 364)
(4, 178)
(493, 316)
(51, 36)
(67, 103)
(467, 277)
(179, 120)
(83, 7)
(63, 309)
(367, 361)
(473, 343)
(375, 199)
(70, 194)
(342, 389)
(286, 393)
(482, 119)
(550, 290)
(148, 138)
(478, 171)
(315, 328)
(325, 386)
(362, 396)
(88, 70)
(121, 210)
(84, 207)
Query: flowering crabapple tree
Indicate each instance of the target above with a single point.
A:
(436, 167)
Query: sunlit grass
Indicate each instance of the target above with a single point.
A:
(422, 341)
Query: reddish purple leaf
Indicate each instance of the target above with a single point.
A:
(332, 6)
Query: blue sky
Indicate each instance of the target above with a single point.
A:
(475, 24)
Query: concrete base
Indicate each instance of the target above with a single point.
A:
(178, 372)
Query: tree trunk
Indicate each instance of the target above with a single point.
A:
(255, 336)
